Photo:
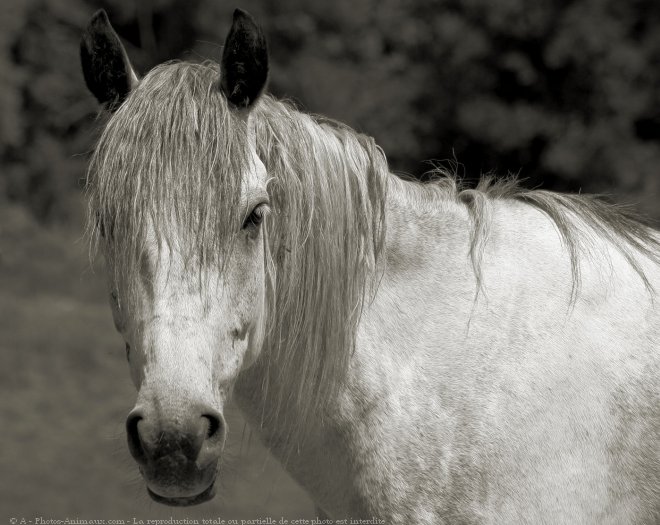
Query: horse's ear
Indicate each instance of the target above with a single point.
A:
(107, 70)
(244, 61)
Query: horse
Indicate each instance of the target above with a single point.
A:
(412, 353)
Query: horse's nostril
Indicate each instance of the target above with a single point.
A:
(214, 438)
(135, 445)
(214, 423)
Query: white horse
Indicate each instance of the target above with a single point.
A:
(414, 353)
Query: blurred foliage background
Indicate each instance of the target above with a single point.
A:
(564, 93)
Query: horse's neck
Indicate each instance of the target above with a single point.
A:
(421, 227)
(428, 336)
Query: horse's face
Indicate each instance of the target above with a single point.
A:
(190, 328)
(189, 332)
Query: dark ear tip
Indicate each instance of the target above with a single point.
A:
(98, 18)
(106, 69)
(244, 61)
(244, 19)
(97, 24)
(240, 14)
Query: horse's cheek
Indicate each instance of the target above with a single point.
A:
(137, 366)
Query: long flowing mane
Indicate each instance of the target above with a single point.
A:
(175, 153)
(329, 184)
(577, 217)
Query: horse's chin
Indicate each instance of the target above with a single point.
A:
(184, 501)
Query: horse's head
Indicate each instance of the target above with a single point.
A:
(179, 195)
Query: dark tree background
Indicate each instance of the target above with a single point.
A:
(565, 93)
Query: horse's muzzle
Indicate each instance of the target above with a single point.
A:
(178, 456)
(184, 501)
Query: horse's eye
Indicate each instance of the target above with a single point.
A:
(256, 217)
(128, 352)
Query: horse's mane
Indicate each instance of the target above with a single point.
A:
(577, 217)
(329, 183)
(174, 153)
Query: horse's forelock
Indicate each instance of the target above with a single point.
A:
(174, 154)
